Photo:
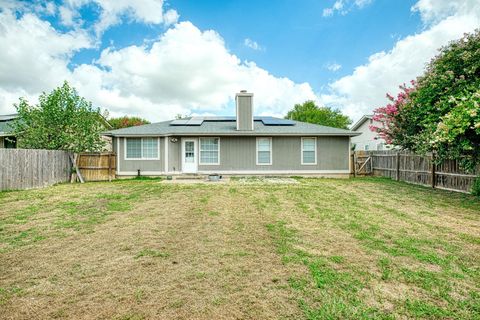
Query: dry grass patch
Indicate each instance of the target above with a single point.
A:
(316, 248)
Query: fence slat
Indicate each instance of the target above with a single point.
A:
(419, 169)
(31, 168)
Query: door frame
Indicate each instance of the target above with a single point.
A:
(195, 150)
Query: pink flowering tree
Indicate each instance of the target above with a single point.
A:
(440, 111)
(387, 116)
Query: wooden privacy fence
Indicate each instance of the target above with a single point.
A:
(98, 166)
(32, 168)
(409, 167)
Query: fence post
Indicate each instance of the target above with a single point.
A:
(354, 164)
(109, 168)
(433, 171)
(398, 166)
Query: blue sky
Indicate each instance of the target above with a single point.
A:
(158, 58)
(298, 41)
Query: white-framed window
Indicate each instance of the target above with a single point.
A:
(309, 151)
(366, 147)
(142, 149)
(264, 151)
(210, 151)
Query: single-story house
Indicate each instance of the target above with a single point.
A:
(7, 139)
(367, 139)
(244, 144)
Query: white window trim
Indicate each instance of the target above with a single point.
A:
(256, 151)
(200, 152)
(141, 149)
(313, 163)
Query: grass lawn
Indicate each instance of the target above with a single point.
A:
(315, 249)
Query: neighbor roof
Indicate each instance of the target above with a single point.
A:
(5, 121)
(266, 126)
(361, 121)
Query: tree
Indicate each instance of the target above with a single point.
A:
(440, 112)
(125, 122)
(310, 112)
(62, 120)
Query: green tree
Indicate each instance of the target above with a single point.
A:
(125, 122)
(62, 120)
(310, 112)
(441, 111)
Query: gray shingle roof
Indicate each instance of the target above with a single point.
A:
(5, 121)
(212, 126)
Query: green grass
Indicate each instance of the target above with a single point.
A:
(317, 249)
(151, 253)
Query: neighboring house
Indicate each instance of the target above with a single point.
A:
(7, 139)
(232, 145)
(368, 140)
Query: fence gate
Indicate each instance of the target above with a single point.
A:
(99, 166)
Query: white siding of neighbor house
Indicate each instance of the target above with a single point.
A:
(368, 137)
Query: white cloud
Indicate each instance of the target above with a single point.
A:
(333, 66)
(185, 70)
(433, 11)
(112, 12)
(345, 6)
(253, 45)
(33, 55)
(365, 89)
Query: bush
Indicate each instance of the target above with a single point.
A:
(476, 187)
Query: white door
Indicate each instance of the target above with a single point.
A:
(189, 155)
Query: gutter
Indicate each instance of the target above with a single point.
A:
(216, 134)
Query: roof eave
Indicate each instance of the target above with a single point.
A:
(253, 134)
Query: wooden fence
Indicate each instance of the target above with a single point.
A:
(31, 168)
(403, 166)
(97, 166)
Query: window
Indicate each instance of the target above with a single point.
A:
(209, 150)
(366, 147)
(141, 148)
(264, 151)
(309, 150)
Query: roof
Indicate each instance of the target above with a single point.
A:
(224, 126)
(5, 121)
(361, 121)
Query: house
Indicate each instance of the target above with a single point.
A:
(238, 145)
(368, 139)
(7, 139)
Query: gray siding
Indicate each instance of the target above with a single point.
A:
(133, 165)
(239, 154)
(174, 155)
(244, 112)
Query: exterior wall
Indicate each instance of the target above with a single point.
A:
(174, 155)
(367, 138)
(130, 167)
(239, 154)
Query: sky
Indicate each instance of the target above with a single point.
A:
(157, 59)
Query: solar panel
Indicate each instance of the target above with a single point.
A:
(220, 118)
(195, 122)
(268, 121)
(179, 122)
